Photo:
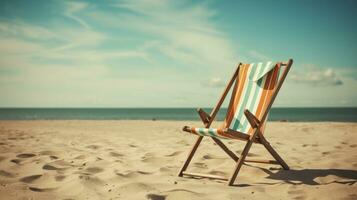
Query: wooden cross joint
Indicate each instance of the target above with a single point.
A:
(204, 116)
(253, 121)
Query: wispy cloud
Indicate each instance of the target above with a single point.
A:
(317, 77)
(17, 28)
(71, 10)
(214, 82)
(180, 32)
(25, 44)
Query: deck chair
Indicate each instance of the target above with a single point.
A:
(254, 91)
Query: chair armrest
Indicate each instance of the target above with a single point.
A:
(236, 134)
(252, 119)
(203, 115)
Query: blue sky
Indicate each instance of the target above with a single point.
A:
(161, 53)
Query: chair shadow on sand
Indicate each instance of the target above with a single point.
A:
(308, 176)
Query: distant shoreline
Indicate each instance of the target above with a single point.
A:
(176, 114)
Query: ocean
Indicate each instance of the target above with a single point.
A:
(276, 114)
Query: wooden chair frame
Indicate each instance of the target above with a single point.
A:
(256, 137)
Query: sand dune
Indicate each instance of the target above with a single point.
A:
(140, 160)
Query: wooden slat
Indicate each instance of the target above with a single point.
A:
(274, 162)
(236, 135)
(190, 155)
(273, 152)
(240, 161)
(205, 175)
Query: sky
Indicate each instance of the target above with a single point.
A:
(169, 53)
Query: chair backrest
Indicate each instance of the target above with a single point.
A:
(254, 90)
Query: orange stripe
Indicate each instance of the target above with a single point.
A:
(221, 133)
(269, 83)
(267, 87)
(262, 98)
(272, 85)
(271, 91)
(237, 98)
(229, 111)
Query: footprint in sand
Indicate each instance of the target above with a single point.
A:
(155, 197)
(60, 177)
(94, 170)
(252, 155)
(57, 165)
(54, 157)
(183, 194)
(164, 169)
(300, 193)
(143, 172)
(130, 174)
(30, 179)
(132, 145)
(147, 155)
(200, 165)
(93, 146)
(36, 189)
(353, 145)
(2, 158)
(208, 156)
(16, 161)
(300, 197)
(6, 174)
(182, 142)
(50, 167)
(174, 154)
(46, 153)
(25, 155)
(151, 160)
(51, 154)
(80, 157)
(115, 154)
(218, 173)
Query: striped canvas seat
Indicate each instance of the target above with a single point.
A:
(215, 132)
(253, 89)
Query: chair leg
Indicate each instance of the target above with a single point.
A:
(273, 152)
(190, 155)
(225, 149)
(240, 162)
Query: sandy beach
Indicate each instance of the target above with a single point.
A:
(140, 160)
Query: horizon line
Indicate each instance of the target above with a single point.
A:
(165, 107)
